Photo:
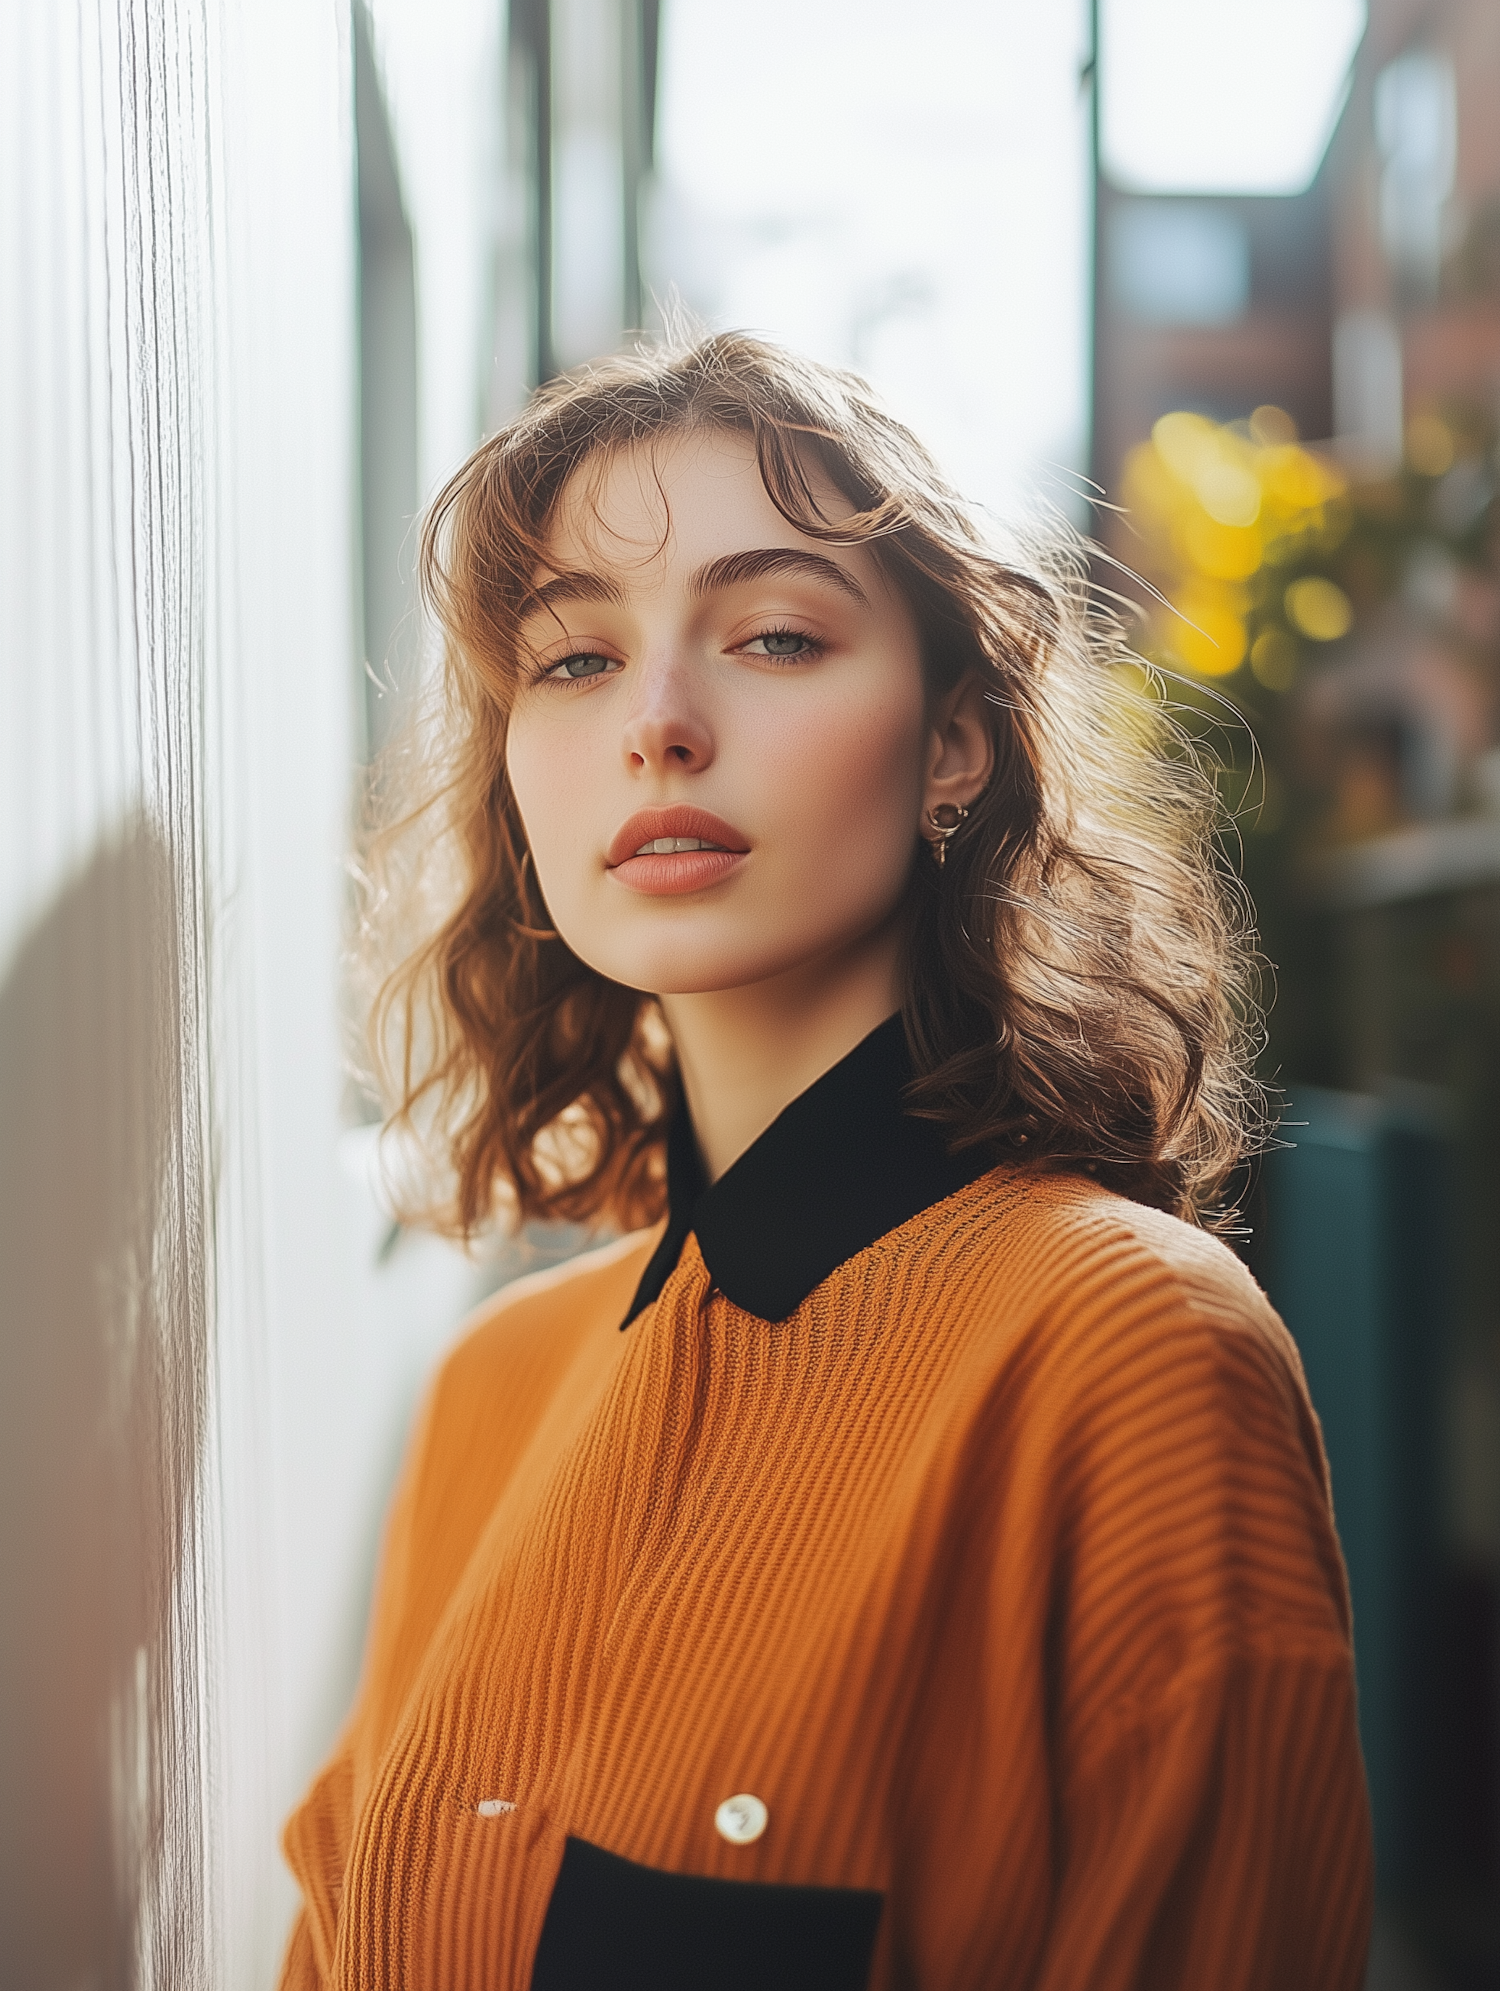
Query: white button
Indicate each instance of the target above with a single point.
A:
(741, 1819)
(493, 1807)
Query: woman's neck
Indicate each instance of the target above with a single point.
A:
(746, 1053)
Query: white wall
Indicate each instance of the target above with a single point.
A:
(204, 1375)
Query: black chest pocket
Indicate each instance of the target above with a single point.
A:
(611, 1923)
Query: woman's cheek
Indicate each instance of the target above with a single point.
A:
(858, 794)
(551, 785)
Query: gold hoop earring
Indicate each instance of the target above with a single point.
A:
(946, 820)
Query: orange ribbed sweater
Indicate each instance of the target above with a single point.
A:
(1002, 1573)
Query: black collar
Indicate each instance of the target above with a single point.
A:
(841, 1166)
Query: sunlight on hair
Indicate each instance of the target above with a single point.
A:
(1081, 988)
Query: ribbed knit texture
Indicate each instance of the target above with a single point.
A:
(1003, 1572)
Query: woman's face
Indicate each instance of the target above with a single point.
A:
(721, 746)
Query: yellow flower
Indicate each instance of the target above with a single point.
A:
(1213, 504)
(1226, 552)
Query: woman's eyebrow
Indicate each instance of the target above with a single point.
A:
(579, 587)
(731, 570)
(735, 568)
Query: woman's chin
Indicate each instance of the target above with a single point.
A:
(691, 971)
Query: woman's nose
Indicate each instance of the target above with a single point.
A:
(665, 729)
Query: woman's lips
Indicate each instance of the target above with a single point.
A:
(685, 871)
(662, 852)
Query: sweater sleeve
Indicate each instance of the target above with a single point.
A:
(1212, 1822)
(1149, 1776)
(1223, 1841)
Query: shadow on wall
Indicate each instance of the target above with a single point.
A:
(103, 1371)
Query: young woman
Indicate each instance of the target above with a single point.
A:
(903, 1558)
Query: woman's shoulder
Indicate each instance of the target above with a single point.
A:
(1143, 1433)
(1063, 1232)
(536, 1326)
(516, 1356)
(1091, 1274)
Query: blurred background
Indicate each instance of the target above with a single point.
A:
(1217, 280)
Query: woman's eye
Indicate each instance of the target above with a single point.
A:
(783, 643)
(586, 664)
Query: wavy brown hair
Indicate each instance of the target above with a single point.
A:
(1079, 977)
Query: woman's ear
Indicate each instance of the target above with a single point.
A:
(961, 750)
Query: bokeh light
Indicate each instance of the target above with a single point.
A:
(1319, 608)
(1226, 514)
